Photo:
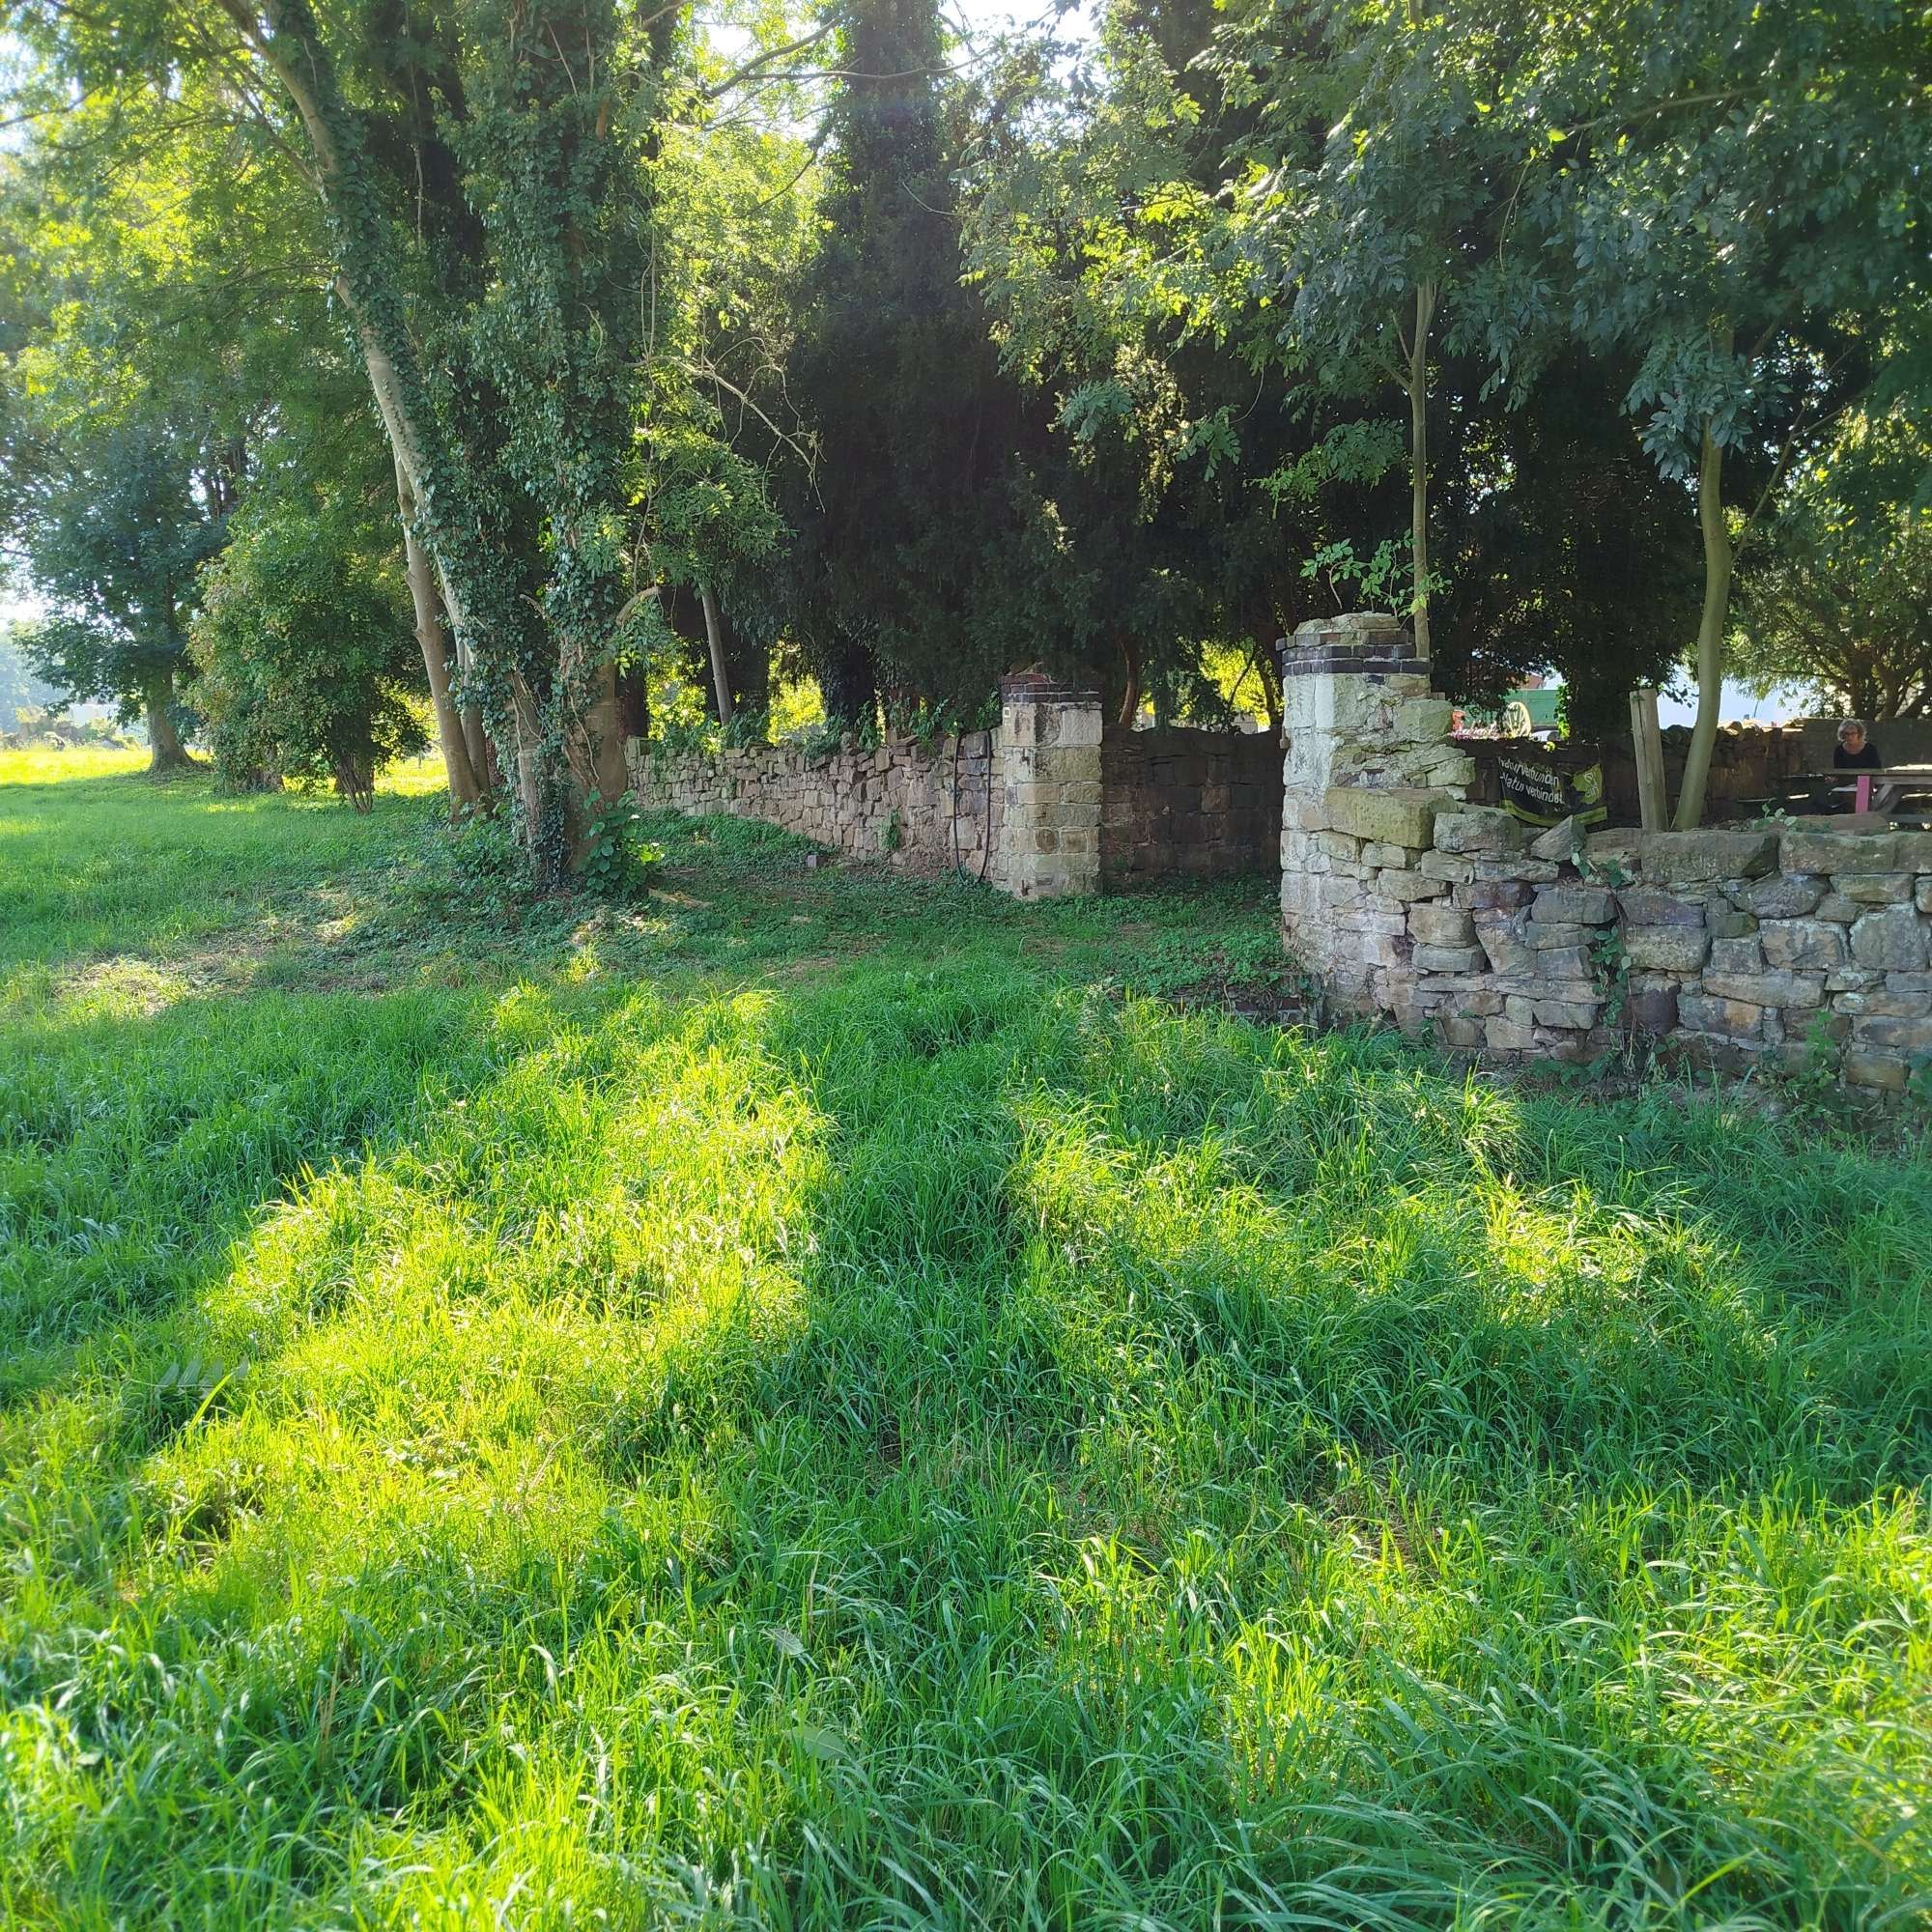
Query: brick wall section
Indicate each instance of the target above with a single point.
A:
(1187, 803)
(857, 802)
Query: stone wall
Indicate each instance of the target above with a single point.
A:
(1187, 803)
(1046, 806)
(896, 802)
(1764, 944)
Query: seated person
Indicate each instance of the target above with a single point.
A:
(1856, 751)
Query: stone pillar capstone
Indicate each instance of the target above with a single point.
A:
(1366, 766)
(1048, 766)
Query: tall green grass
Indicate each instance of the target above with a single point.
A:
(812, 1402)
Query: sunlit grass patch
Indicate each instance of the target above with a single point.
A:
(809, 1401)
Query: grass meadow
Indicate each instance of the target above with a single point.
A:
(817, 1400)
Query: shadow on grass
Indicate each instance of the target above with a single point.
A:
(941, 1444)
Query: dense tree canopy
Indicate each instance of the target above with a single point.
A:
(823, 340)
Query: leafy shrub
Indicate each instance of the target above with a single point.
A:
(305, 650)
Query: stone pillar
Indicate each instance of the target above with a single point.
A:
(1366, 767)
(1048, 765)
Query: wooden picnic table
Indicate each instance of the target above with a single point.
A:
(1890, 781)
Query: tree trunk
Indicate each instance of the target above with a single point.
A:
(465, 792)
(849, 687)
(1130, 697)
(1710, 633)
(634, 702)
(1418, 461)
(165, 750)
(721, 678)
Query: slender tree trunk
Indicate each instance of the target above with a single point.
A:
(1418, 461)
(165, 750)
(465, 790)
(1130, 697)
(483, 765)
(720, 677)
(1711, 625)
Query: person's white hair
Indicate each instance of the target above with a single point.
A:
(1852, 727)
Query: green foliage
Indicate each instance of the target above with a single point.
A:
(814, 1339)
(304, 650)
(1839, 599)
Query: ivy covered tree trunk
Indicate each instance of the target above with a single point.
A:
(465, 789)
(1711, 625)
(165, 750)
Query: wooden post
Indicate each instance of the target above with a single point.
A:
(1653, 807)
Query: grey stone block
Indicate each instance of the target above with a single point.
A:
(1767, 989)
(1442, 924)
(1448, 958)
(1736, 1019)
(1574, 905)
(1784, 895)
(1646, 905)
(1813, 943)
(1665, 948)
(1892, 937)
(1694, 857)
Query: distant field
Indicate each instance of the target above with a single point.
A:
(813, 1399)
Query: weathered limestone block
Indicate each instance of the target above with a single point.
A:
(1737, 956)
(1406, 887)
(1873, 888)
(1521, 868)
(1574, 905)
(1651, 1010)
(1737, 1019)
(1441, 925)
(1783, 895)
(1813, 943)
(1544, 934)
(1883, 1003)
(1562, 841)
(1501, 936)
(1767, 989)
(1405, 815)
(1892, 937)
(1430, 958)
(1693, 858)
(1820, 849)
(1838, 908)
(1575, 1013)
(1492, 895)
(1864, 1068)
(1480, 830)
(1665, 948)
(1563, 962)
(1447, 866)
(1508, 1036)
(1895, 1033)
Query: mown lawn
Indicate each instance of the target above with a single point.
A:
(814, 1400)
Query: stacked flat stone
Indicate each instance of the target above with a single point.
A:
(1049, 782)
(893, 804)
(1366, 766)
(1764, 944)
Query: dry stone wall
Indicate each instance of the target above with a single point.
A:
(904, 803)
(1763, 944)
(1186, 803)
